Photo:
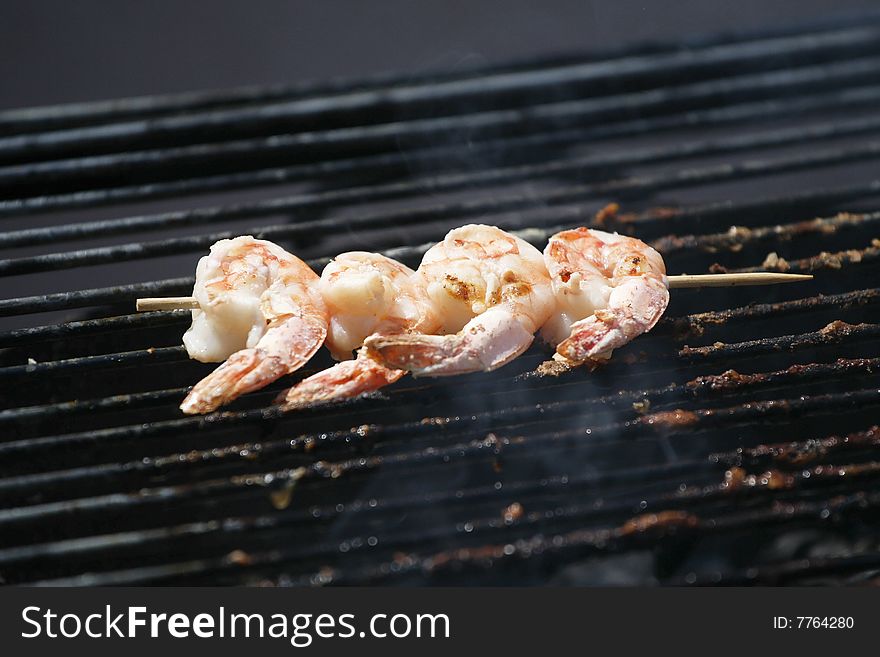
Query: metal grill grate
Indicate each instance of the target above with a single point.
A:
(666, 466)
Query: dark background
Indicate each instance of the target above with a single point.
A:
(54, 51)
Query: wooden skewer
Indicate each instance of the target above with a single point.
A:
(683, 281)
(732, 280)
(167, 303)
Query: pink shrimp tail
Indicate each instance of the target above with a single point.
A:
(584, 342)
(251, 369)
(344, 380)
(486, 343)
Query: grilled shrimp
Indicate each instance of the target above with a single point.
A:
(491, 291)
(609, 289)
(260, 307)
(366, 294)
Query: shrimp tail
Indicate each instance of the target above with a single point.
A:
(634, 308)
(344, 380)
(284, 349)
(485, 343)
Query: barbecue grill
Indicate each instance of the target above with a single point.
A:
(736, 443)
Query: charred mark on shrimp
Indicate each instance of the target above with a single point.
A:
(458, 289)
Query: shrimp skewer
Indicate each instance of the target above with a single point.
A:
(366, 294)
(609, 289)
(261, 307)
(492, 292)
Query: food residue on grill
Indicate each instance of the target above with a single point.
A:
(606, 215)
(774, 262)
(282, 497)
(671, 419)
(737, 478)
(662, 520)
(553, 368)
(513, 513)
(239, 558)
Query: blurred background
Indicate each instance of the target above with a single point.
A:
(56, 51)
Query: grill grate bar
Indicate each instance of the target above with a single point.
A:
(122, 168)
(59, 117)
(450, 182)
(367, 107)
(93, 296)
(528, 149)
(836, 332)
(739, 236)
(785, 455)
(17, 416)
(19, 337)
(785, 573)
(70, 115)
(479, 558)
(589, 541)
(681, 327)
(833, 261)
(696, 324)
(454, 429)
(765, 485)
(459, 211)
(667, 220)
(151, 355)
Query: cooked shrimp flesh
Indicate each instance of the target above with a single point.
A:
(609, 289)
(366, 294)
(491, 291)
(260, 307)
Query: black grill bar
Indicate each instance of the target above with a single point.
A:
(18, 337)
(307, 147)
(516, 447)
(152, 355)
(309, 203)
(17, 416)
(738, 237)
(681, 327)
(695, 325)
(715, 214)
(579, 542)
(93, 297)
(869, 255)
(222, 422)
(835, 333)
(459, 211)
(59, 117)
(527, 149)
(65, 116)
(406, 565)
(813, 569)
(366, 106)
(733, 483)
